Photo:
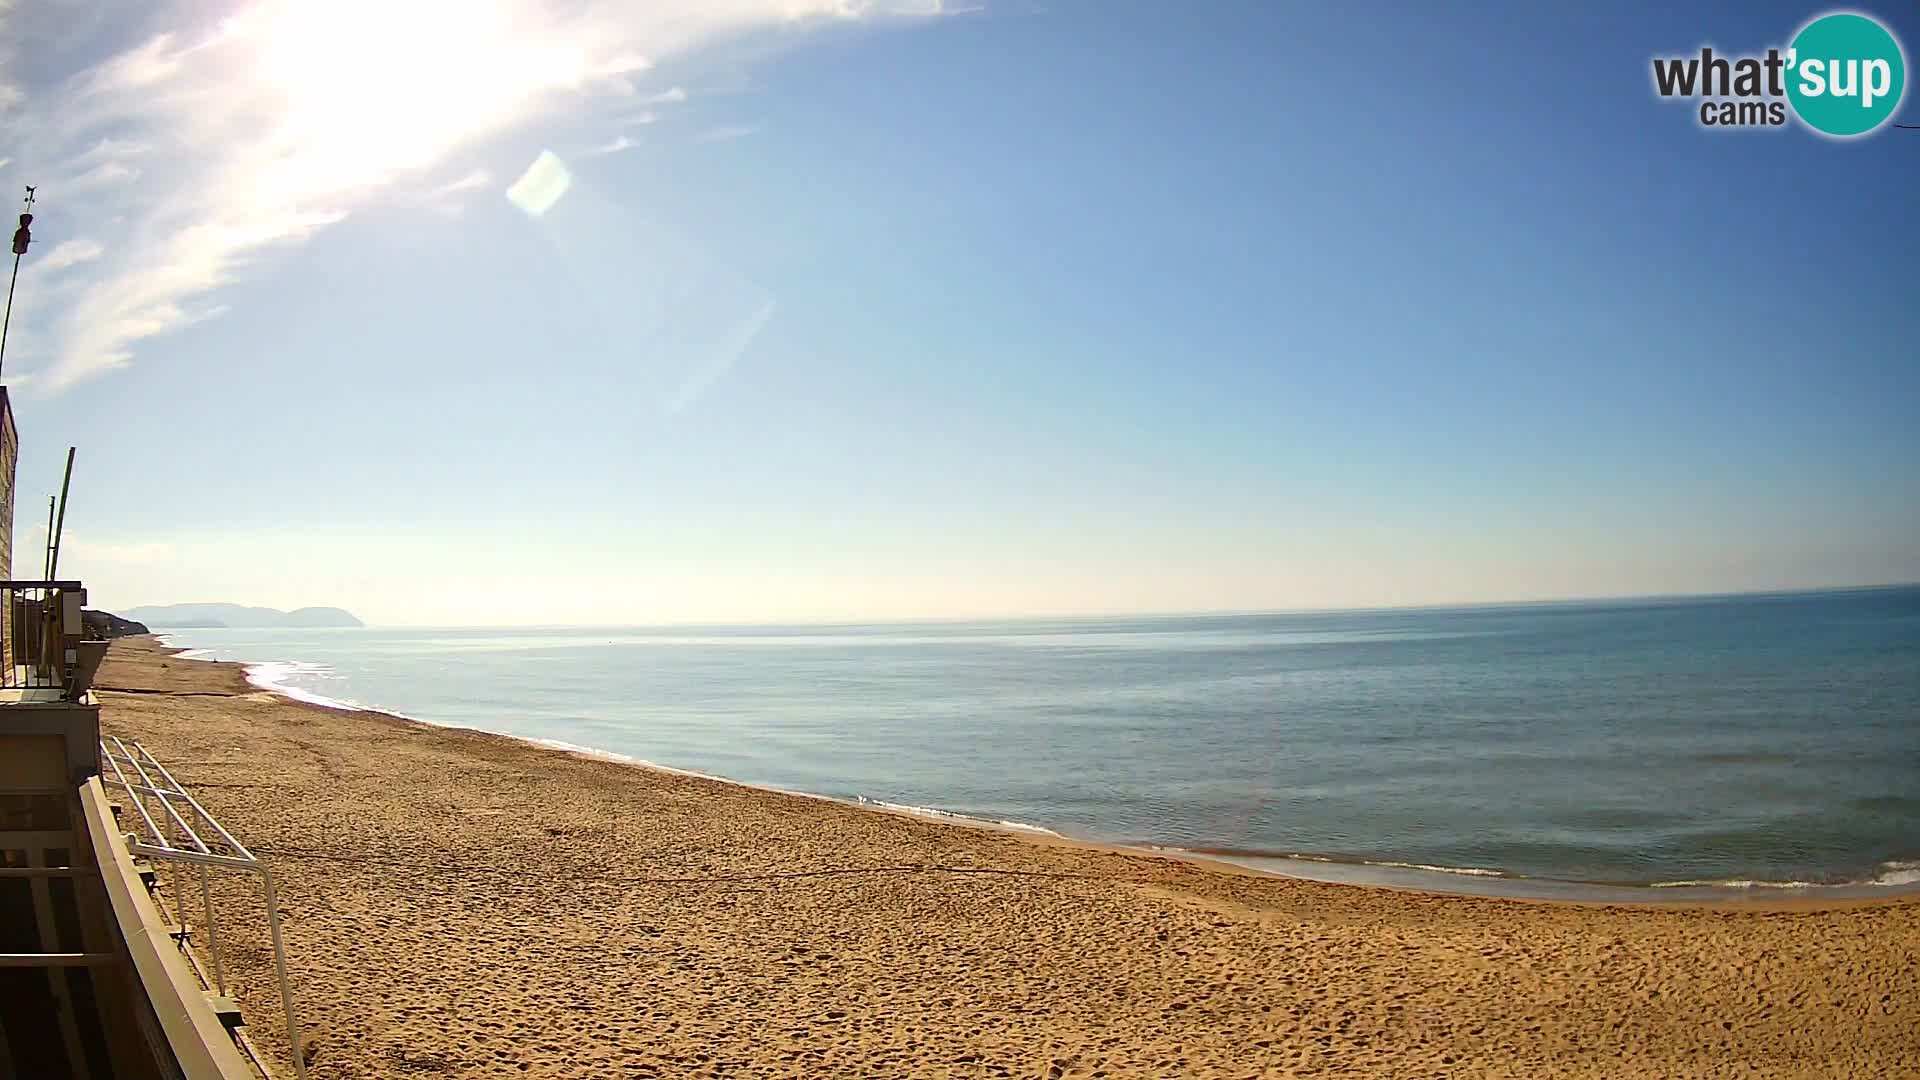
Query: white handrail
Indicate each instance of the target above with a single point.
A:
(158, 846)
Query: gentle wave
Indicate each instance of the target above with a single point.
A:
(1899, 872)
(1301, 856)
(1892, 873)
(618, 758)
(1745, 883)
(948, 815)
(273, 675)
(1464, 871)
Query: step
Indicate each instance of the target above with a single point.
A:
(224, 1007)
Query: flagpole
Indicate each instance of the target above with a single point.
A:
(21, 238)
(8, 319)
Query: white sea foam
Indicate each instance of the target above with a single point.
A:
(1296, 856)
(1898, 872)
(589, 751)
(1464, 871)
(1894, 872)
(615, 756)
(948, 815)
(274, 675)
(1733, 883)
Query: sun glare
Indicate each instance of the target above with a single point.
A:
(364, 89)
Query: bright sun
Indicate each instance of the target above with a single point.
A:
(364, 88)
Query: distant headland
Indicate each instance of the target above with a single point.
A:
(177, 616)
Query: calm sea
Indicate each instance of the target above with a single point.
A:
(1741, 739)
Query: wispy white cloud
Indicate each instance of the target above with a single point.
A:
(725, 133)
(473, 181)
(932, 8)
(70, 253)
(448, 200)
(108, 151)
(617, 144)
(673, 95)
(103, 174)
(226, 137)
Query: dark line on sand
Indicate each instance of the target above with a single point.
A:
(724, 879)
(161, 693)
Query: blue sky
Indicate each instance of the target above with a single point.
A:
(1075, 307)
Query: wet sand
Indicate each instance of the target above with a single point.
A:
(460, 904)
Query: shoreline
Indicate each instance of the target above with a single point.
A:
(473, 905)
(1356, 873)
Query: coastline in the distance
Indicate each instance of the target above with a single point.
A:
(181, 616)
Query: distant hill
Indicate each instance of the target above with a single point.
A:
(202, 615)
(102, 625)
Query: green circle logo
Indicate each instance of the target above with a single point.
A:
(1845, 75)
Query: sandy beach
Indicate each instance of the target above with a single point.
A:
(459, 904)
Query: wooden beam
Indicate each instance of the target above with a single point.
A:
(55, 959)
(56, 978)
(43, 871)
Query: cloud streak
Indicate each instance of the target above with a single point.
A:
(70, 253)
(618, 144)
(212, 143)
(473, 181)
(449, 199)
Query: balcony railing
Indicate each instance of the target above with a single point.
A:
(173, 827)
(42, 643)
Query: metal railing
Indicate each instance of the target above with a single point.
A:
(151, 785)
(40, 632)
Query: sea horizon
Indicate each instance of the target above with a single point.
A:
(1069, 616)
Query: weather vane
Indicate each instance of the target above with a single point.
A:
(22, 237)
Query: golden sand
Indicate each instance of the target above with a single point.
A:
(466, 905)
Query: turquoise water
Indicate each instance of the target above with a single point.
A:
(1739, 739)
